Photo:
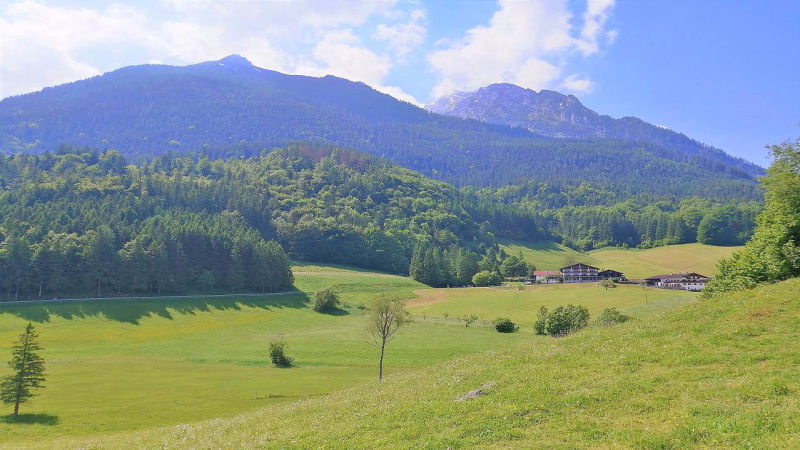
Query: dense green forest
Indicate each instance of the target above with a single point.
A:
(230, 109)
(78, 222)
(773, 253)
(585, 217)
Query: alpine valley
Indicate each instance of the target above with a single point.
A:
(193, 176)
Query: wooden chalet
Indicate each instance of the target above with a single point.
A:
(580, 273)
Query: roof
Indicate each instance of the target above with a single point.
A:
(544, 273)
(609, 271)
(676, 275)
(578, 264)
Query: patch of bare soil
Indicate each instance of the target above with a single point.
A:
(427, 297)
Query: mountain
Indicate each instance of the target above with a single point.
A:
(550, 113)
(230, 108)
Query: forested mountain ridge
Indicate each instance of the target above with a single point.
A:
(230, 108)
(550, 113)
(81, 222)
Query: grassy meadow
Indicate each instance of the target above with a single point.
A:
(718, 373)
(522, 306)
(126, 365)
(634, 263)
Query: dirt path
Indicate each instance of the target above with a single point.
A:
(427, 297)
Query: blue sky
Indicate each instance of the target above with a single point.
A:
(724, 72)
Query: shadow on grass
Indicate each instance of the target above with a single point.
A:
(132, 310)
(335, 312)
(31, 419)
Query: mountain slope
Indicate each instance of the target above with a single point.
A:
(231, 108)
(714, 374)
(550, 113)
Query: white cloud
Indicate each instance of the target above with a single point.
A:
(340, 53)
(38, 42)
(525, 43)
(594, 19)
(404, 37)
(576, 84)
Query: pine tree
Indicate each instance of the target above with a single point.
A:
(416, 268)
(28, 369)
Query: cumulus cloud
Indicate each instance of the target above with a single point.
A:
(524, 43)
(577, 84)
(342, 54)
(594, 19)
(403, 37)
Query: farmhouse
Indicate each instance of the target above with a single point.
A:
(689, 281)
(580, 273)
(612, 275)
(547, 276)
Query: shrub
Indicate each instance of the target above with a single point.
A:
(611, 316)
(486, 278)
(541, 321)
(277, 354)
(504, 325)
(325, 300)
(566, 319)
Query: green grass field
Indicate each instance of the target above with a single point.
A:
(718, 373)
(522, 306)
(122, 365)
(634, 263)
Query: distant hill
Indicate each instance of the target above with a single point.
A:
(230, 108)
(550, 113)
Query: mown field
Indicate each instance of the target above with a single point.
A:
(634, 263)
(718, 373)
(122, 365)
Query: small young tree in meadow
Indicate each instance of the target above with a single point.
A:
(325, 300)
(608, 284)
(28, 370)
(470, 319)
(386, 316)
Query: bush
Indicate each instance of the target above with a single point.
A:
(277, 354)
(611, 316)
(541, 321)
(325, 300)
(566, 319)
(503, 325)
(486, 278)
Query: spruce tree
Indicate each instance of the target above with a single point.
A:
(28, 369)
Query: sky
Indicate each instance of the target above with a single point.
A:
(724, 72)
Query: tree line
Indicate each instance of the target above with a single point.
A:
(79, 222)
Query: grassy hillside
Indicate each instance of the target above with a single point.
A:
(545, 255)
(140, 363)
(717, 373)
(668, 259)
(635, 263)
